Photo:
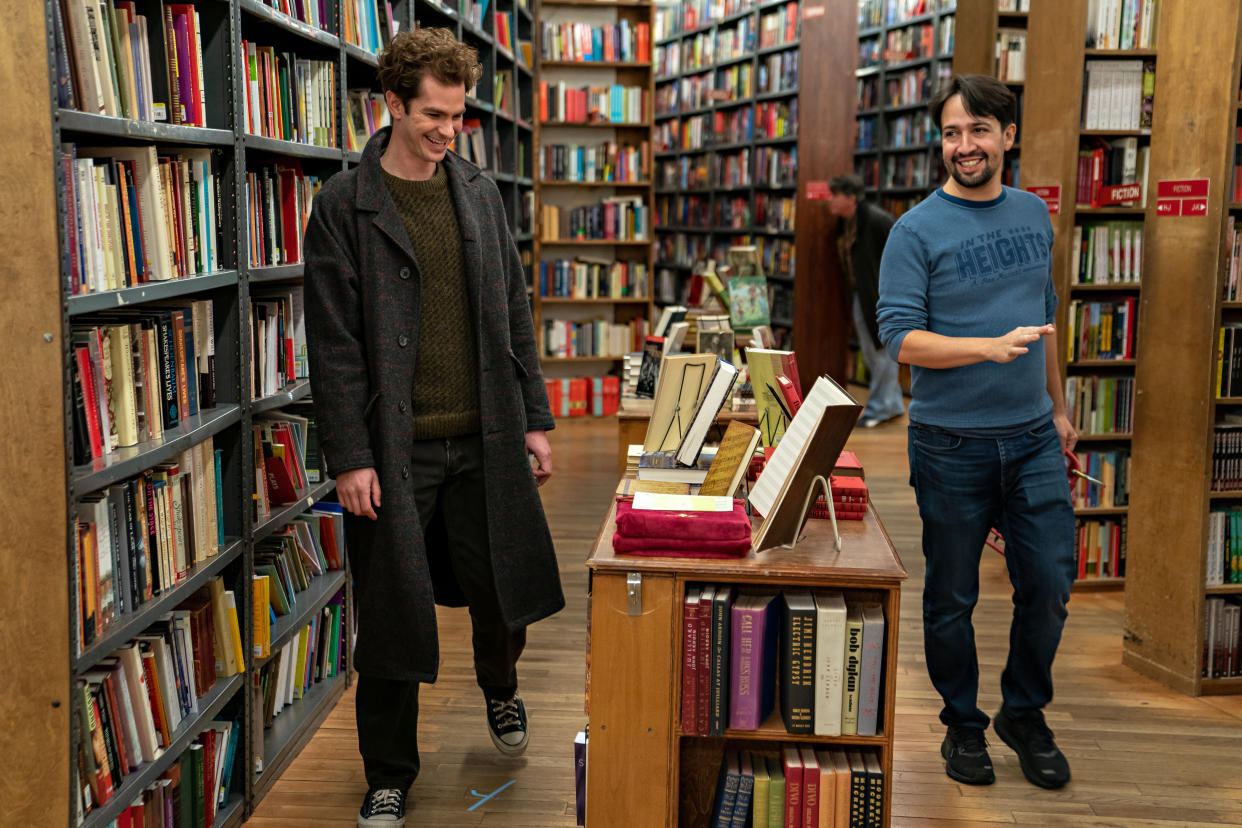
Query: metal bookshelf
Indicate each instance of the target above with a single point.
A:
(509, 148)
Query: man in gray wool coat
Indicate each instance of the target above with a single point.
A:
(430, 406)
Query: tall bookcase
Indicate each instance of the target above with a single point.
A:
(40, 555)
(1098, 377)
(1178, 300)
(727, 141)
(587, 325)
(905, 51)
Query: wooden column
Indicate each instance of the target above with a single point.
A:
(1056, 31)
(974, 41)
(34, 705)
(826, 102)
(1192, 137)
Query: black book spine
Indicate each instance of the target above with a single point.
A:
(152, 537)
(798, 670)
(120, 558)
(858, 799)
(137, 550)
(875, 799)
(81, 433)
(721, 607)
(168, 370)
(108, 728)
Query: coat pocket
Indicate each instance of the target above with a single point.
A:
(370, 406)
(518, 367)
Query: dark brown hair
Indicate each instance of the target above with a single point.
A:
(415, 53)
(981, 96)
(847, 184)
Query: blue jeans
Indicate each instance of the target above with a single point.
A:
(964, 486)
(884, 400)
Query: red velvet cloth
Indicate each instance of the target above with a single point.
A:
(682, 534)
(658, 523)
(680, 547)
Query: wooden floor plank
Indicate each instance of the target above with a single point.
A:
(1142, 755)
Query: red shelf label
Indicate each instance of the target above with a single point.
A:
(1186, 188)
(817, 190)
(1195, 207)
(1050, 194)
(1168, 207)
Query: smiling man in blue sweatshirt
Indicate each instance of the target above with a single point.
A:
(966, 299)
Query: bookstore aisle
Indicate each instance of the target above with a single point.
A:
(1109, 721)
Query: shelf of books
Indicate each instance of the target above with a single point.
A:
(726, 140)
(749, 734)
(1222, 603)
(905, 51)
(591, 280)
(1103, 281)
(199, 510)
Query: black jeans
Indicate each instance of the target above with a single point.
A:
(448, 480)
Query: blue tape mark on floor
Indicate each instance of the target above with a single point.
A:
(473, 792)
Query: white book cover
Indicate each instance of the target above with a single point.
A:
(829, 662)
(136, 682)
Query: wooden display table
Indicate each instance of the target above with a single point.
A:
(632, 428)
(641, 770)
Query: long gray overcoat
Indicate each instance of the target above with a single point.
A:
(362, 318)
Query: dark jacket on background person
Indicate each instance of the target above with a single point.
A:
(362, 323)
(872, 233)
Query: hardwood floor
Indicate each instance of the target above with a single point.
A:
(1141, 755)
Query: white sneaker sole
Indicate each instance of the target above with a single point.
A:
(508, 749)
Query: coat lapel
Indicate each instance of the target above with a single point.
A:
(462, 188)
(371, 194)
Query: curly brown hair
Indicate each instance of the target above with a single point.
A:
(414, 53)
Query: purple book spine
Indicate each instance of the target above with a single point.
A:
(184, 61)
(744, 678)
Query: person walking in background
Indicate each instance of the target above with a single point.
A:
(861, 235)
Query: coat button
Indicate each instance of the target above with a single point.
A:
(403, 340)
(405, 273)
(401, 406)
(405, 472)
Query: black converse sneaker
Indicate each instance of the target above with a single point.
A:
(383, 808)
(965, 753)
(1042, 762)
(506, 722)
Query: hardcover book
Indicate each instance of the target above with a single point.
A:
(752, 677)
(797, 667)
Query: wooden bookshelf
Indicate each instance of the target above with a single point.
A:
(897, 147)
(722, 49)
(1179, 304)
(43, 709)
(644, 769)
(571, 187)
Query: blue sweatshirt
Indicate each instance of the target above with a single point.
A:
(971, 268)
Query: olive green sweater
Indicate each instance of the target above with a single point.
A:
(445, 396)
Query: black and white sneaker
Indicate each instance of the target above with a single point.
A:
(383, 808)
(506, 722)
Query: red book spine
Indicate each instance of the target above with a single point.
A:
(689, 665)
(704, 641)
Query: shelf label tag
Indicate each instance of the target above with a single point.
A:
(1186, 188)
(1120, 194)
(1051, 194)
(1168, 207)
(817, 191)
